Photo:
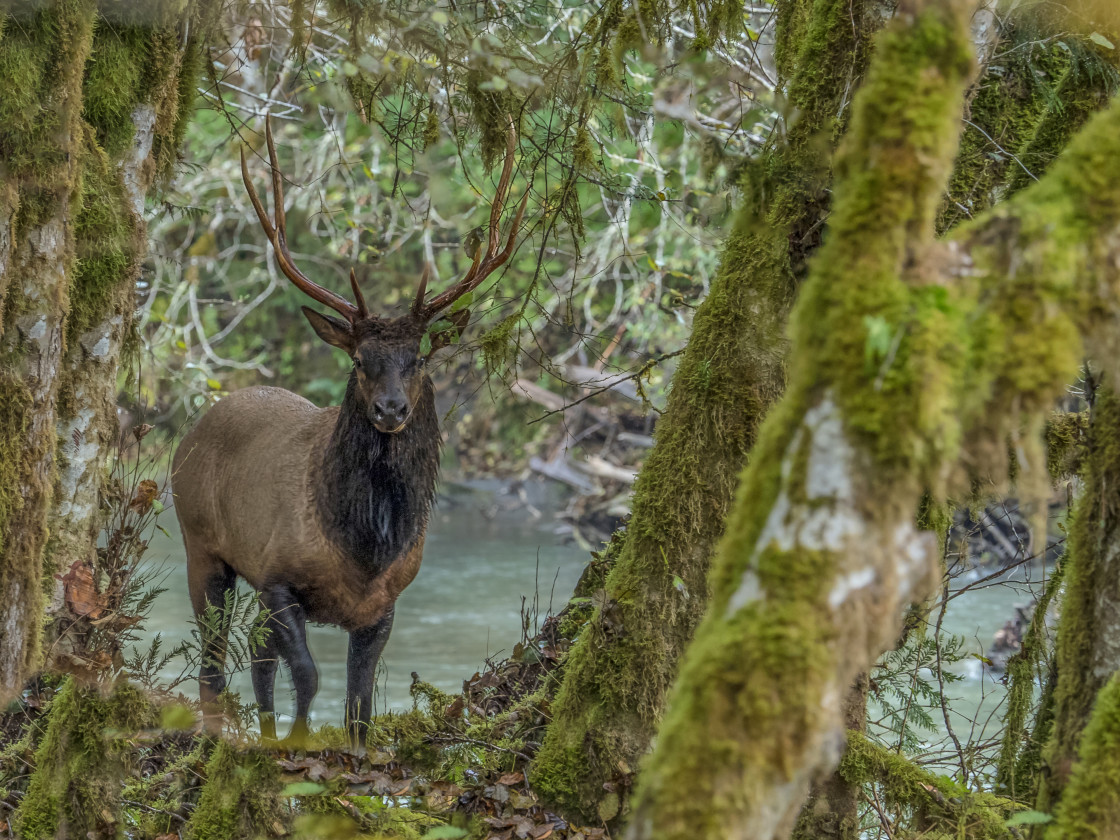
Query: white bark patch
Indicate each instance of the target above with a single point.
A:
(144, 119)
(847, 584)
(13, 623)
(82, 449)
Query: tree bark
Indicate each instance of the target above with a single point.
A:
(617, 675)
(98, 110)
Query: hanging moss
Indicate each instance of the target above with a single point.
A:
(240, 797)
(107, 244)
(1014, 777)
(80, 763)
(1090, 808)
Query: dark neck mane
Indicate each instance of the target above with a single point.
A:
(375, 490)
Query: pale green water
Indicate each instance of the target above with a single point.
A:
(465, 606)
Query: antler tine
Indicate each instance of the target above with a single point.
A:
(363, 311)
(484, 265)
(422, 289)
(277, 235)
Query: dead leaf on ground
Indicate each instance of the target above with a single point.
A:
(512, 778)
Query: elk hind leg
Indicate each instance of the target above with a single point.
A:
(209, 579)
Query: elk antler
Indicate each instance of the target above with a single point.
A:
(277, 235)
(482, 266)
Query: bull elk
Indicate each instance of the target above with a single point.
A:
(322, 510)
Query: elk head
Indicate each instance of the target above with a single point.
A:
(390, 354)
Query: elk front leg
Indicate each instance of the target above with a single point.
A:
(287, 624)
(265, 660)
(365, 649)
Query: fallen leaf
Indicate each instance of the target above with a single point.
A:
(515, 778)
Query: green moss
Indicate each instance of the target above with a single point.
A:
(240, 797)
(1014, 776)
(936, 806)
(1066, 435)
(80, 763)
(1090, 808)
(108, 244)
(15, 413)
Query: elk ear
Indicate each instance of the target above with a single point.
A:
(452, 327)
(334, 331)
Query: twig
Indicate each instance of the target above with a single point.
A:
(638, 374)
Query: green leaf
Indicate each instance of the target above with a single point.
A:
(463, 302)
(1029, 818)
(213, 384)
(440, 18)
(426, 344)
(157, 506)
(1101, 41)
(303, 789)
(445, 832)
(878, 337)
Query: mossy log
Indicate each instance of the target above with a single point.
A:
(618, 674)
(96, 97)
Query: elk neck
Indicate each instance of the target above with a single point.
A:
(375, 490)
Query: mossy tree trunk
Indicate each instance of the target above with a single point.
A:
(95, 102)
(1088, 643)
(913, 363)
(618, 674)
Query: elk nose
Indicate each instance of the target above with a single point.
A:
(391, 409)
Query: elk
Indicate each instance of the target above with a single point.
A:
(322, 510)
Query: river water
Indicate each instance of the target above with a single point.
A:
(481, 559)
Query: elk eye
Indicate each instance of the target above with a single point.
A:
(357, 363)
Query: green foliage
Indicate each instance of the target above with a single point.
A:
(906, 692)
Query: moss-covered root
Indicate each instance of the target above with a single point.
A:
(1090, 808)
(821, 553)
(1086, 648)
(240, 797)
(80, 764)
(930, 805)
(618, 674)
